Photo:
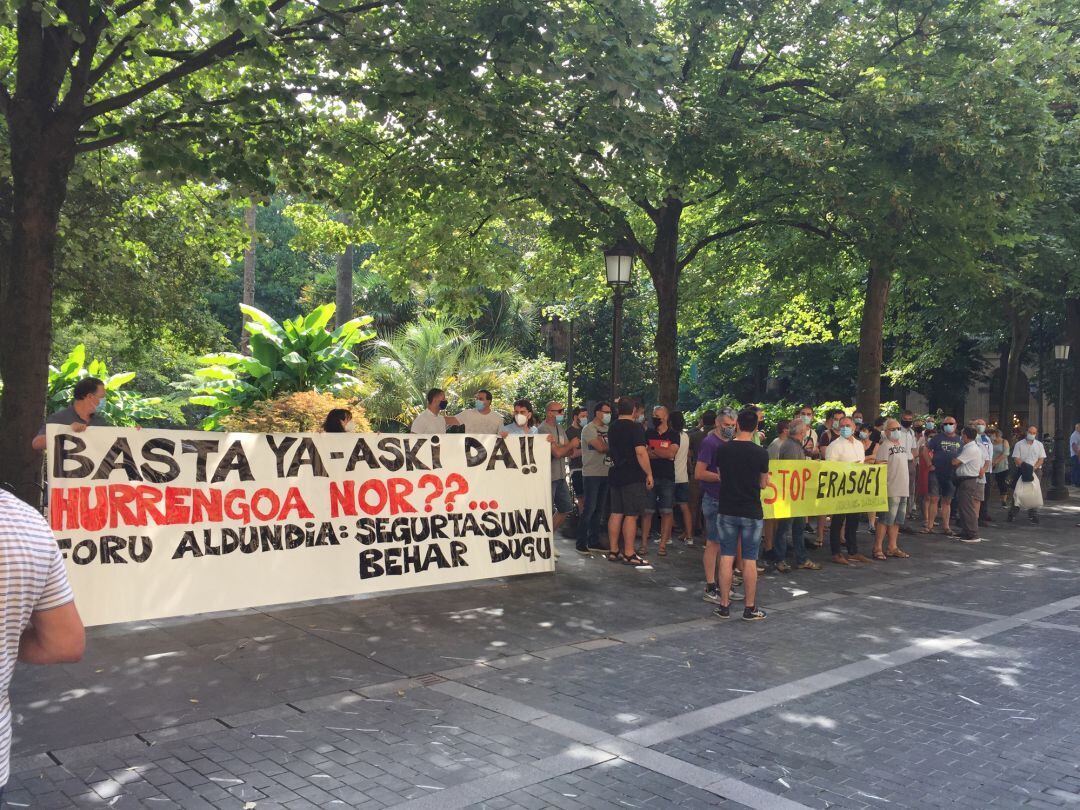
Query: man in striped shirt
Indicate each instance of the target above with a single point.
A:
(37, 610)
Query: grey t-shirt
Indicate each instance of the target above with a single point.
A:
(593, 462)
(68, 416)
(787, 450)
(897, 478)
(558, 465)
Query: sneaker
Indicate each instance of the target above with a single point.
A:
(601, 549)
(584, 552)
(809, 565)
(711, 595)
(689, 541)
(781, 567)
(970, 539)
(753, 614)
(1034, 519)
(735, 596)
(761, 567)
(722, 611)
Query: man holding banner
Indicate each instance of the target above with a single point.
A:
(845, 447)
(792, 450)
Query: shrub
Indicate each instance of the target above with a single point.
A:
(298, 412)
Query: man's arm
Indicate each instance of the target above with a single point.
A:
(643, 461)
(54, 636)
(703, 473)
(452, 421)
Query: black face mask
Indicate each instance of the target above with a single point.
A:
(761, 425)
(656, 421)
(442, 405)
(905, 423)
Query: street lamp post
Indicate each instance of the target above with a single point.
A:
(1058, 491)
(619, 264)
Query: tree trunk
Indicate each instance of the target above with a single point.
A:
(868, 393)
(42, 157)
(343, 287)
(1019, 332)
(1072, 333)
(248, 294)
(663, 266)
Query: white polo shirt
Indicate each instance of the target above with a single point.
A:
(428, 422)
(971, 460)
(1026, 452)
(841, 449)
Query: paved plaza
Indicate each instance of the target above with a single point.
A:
(950, 679)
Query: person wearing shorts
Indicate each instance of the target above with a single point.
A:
(706, 475)
(629, 482)
(894, 452)
(743, 468)
(938, 454)
(663, 446)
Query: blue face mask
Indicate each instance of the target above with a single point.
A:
(583, 421)
(949, 428)
(558, 418)
(846, 431)
(894, 435)
(929, 425)
(981, 428)
(607, 418)
(480, 404)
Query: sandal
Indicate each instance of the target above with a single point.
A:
(661, 552)
(903, 555)
(636, 561)
(615, 556)
(880, 555)
(925, 530)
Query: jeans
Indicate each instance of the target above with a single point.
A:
(796, 526)
(734, 529)
(849, 524)
(710, 510)
(588, 530)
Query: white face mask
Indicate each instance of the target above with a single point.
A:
(521, 418)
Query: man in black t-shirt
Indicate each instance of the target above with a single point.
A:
(744, 471)
(629, 481)
(663, 445)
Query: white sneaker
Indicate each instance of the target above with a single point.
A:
(970, 539)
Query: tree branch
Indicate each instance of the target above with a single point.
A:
(716, 237)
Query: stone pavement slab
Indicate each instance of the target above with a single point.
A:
(600, 686)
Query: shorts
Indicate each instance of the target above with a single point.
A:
(682, 492)
(943, 488)
(664, 495)
(577, 484)
(733, 528)
(560, 497)
(710, 510)
(895, 514)
(630, 500)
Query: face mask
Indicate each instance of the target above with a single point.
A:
(521, 418)
(980, 428)
(846, 431)
(640, 419)
(442, 405)
(480, 404)
(949, 428)
(607, 418)
(727, 432)
(929, 425)
(835, 425)
(1031, 437)
(583, 421)
(864, 434)
(806, 419)
(894, 435)
(858, 421)
(656, 421)
(905, 423)
(559, 418)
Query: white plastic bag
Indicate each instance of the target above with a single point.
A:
(1028, 494)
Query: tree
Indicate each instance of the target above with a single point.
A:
(248, 296)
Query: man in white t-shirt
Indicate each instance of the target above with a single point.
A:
(431, 419)
(1028, 450)
(845, 447)
(969, 467)
(38, 620)
(481, 418)
(1074, 455)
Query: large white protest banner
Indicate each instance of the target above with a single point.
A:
(155, 523)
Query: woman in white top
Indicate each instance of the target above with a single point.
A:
(682, 476)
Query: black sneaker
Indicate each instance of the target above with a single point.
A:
(722, 612)
(711, 595)
(752, 614)
(1034, 519)
(584, 552)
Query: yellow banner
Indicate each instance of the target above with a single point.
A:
(804, 488)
